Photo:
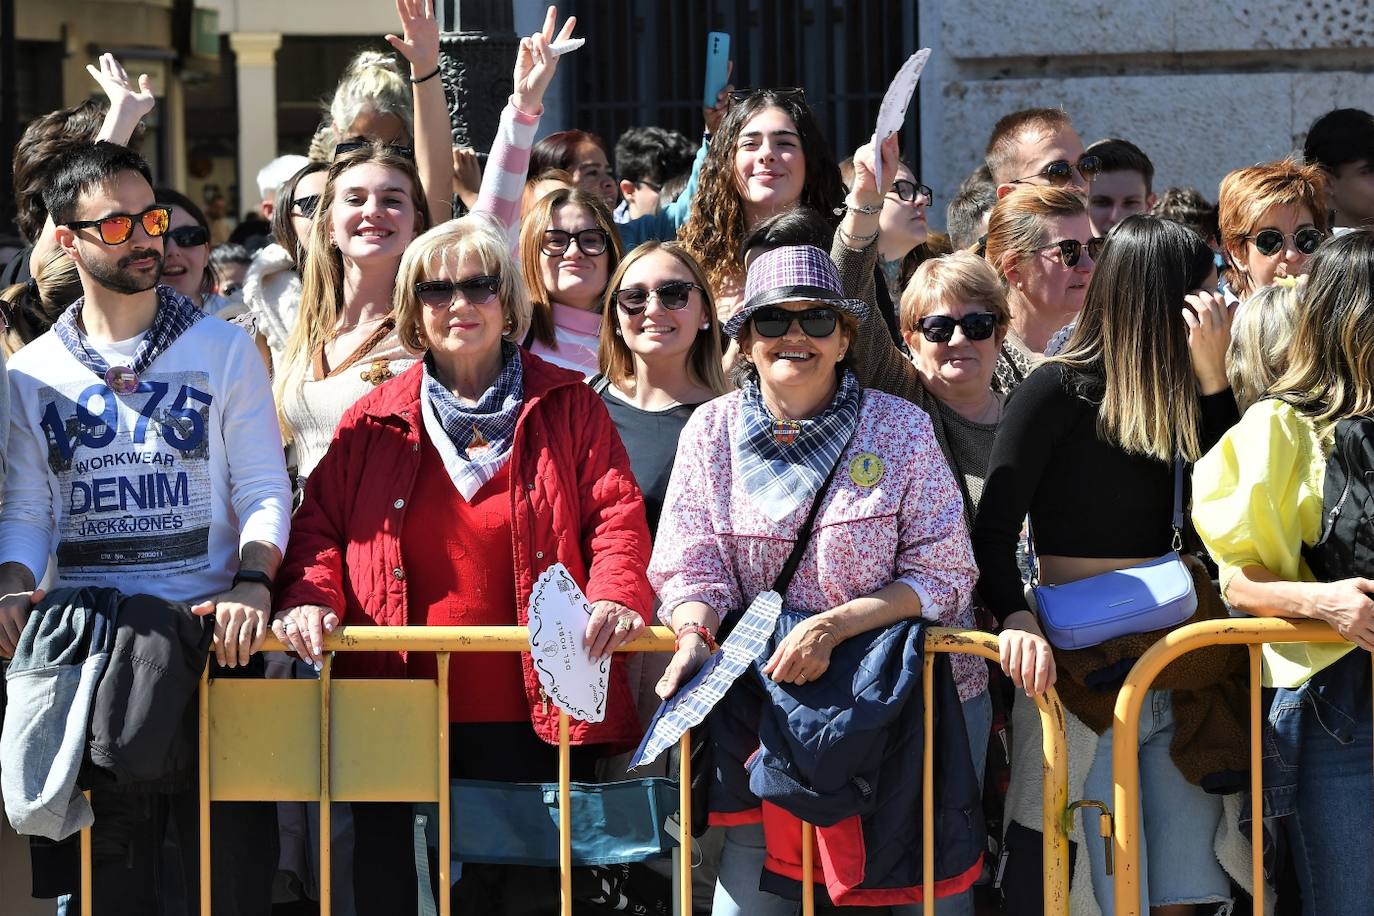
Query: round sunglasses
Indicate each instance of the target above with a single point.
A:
(116, 228)
(439, 294)
(673, 295)
(1269, 242)
(771, 321)
(590, 242)
(1071, 250)
(908, 191)
(1060, 172)
(940, 328)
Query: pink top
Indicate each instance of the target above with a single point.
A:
(713, 545)
(503, 179)
(577, 332)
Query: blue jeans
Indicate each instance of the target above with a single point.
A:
(741, 861)
(1179, 819)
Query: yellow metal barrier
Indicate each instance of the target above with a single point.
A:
(1250, 632)
(365, 740)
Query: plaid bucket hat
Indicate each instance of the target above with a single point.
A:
(793, 273)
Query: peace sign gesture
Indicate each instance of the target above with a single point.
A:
(535, 63)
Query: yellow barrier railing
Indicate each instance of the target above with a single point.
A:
(1250, 632)
(331, 750)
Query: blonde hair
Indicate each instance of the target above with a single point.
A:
(322, 272)
(961, 277)
(1016, 223)
(1260, 339)
(531, 251)
(1248, 193)
(31, 308)
(449, 244)
(614, 359)
(372, 81)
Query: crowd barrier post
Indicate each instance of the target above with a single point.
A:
(1250, 632)
(361, 740)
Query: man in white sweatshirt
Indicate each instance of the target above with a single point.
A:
(144, 450)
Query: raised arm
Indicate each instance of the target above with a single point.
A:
(127, 105)
(419, 45)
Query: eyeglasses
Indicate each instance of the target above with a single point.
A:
(672, 295)
(306, 205)
(348, 146)
(788, 92)
(590, 242)
(439, 294)
(189, 236)
(907, 191)
(1269, 242)
(116, 228)
(1060, 172)
(1071, 250)
(771, 321)
(940, 328)
(656, 188)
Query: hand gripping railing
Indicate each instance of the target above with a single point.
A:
(349, 743)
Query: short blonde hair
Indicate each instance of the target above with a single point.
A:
(961, 276)
(1246, 194)
(1260, 338)
(449, 243)
(372, 81)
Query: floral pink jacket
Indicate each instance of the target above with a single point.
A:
(713, 545)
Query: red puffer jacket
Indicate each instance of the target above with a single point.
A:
(573, 501)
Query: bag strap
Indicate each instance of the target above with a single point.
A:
(1177, 521)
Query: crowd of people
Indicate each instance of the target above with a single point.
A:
(693, 376)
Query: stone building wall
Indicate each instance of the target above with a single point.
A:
(1202, 88)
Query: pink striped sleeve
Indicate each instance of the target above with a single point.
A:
(503, 180)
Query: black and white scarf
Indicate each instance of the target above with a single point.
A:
(481, 434)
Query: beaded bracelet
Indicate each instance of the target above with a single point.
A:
(700, 630)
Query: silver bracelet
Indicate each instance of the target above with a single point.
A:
(856, 241)
(868, 211)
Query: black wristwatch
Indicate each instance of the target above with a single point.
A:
(253, 575)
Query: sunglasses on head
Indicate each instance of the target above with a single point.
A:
(116, 228)
(438, 294)
(674, 295)
(189, 236)
(788, 92)
(1269, 242)
(348, 146)
(771, 321)
(1071, 250)
(306, 205)
(907, 191)
(590, 242)
(940, 328)
(1060, 172)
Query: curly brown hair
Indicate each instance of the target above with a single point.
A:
(716, 227)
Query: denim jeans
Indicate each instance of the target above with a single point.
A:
(741, 861)
(1180, 820)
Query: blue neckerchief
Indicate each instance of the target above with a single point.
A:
(175, 315)
(780, 478)
(483, 433)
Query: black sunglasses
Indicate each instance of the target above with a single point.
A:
(907, 191)
(788, 92)
(438, 294)
(1071, 250)
(306, 205)
(116, 228)
(189, 236)
(771, 321)
(940, 328)
(1060, 172)
(590, 242)
(672, 295)
(348, 146)
(1269, 242)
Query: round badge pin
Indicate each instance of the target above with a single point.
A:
(866, 469)
(121, 379)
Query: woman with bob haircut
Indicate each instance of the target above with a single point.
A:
(1087, 448)
(768, 155)
(569, 247)
(1271, 217)
(1041, 243)
(1265, 512)
(659, 358)
(444, 496)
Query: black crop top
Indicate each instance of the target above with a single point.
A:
(1085, 496)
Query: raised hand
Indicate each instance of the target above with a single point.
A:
(535, 64)
(127, 105)
(420, 44)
